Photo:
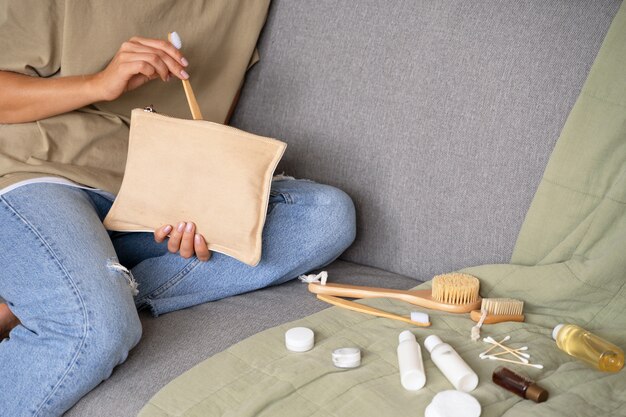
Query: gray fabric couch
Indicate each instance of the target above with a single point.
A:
(437, 117)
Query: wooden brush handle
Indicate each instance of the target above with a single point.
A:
(191, 99)
(496, 318)
(351, 305)
(356, 291)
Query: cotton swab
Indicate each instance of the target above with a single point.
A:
(495, 346)
(526, 355)
(496, 358)
(491, 340)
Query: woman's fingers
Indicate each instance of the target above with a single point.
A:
(162, 45)
(184, 240)
(161, 233)
(201, 248)
(151, 59)
(172, 64)
(173, 244)
(139, 72)
(187, 243)
(129, 69)
(138, 61)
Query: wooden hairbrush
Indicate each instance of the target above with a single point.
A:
(499, 310)
(454, 293)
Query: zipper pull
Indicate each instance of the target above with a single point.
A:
(149, 109)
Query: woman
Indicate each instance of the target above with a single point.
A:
(64, 106)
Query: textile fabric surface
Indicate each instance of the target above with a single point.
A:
(65, 277)
(437, 118)
(570, 269)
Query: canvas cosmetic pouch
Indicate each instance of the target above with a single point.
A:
(216, 176)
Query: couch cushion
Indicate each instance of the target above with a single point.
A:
(438, 118)
(175, 342)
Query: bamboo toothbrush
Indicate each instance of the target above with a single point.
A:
(351, 305)
(175, 40)
(499, 310)
(454, 293)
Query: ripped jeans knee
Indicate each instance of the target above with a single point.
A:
(113, 264)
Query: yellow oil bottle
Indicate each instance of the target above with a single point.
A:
(588, 347)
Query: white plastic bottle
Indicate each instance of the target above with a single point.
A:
(451, 364)
(410, 362)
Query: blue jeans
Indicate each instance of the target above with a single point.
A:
(79, 319)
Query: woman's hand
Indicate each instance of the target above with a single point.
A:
(184, 239)
(138, 61)
(27, 99)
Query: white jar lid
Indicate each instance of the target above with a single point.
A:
(299, 339)
(347, 357)
(453, 403)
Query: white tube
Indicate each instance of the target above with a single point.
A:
(410, 362)
(451, 364)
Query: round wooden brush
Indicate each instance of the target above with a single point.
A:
(455, 288)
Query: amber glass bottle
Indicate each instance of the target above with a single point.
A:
(519, 385)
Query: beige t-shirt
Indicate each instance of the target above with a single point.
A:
(75, 37)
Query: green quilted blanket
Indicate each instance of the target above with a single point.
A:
(569, 265)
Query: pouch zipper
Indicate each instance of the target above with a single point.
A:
(151, 109)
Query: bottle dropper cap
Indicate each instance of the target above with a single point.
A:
(536, 393)
(556, 330)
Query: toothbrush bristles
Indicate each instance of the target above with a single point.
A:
(502, 306)
(174, 38)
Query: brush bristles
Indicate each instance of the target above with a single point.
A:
(455, 288)
(502, 306)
